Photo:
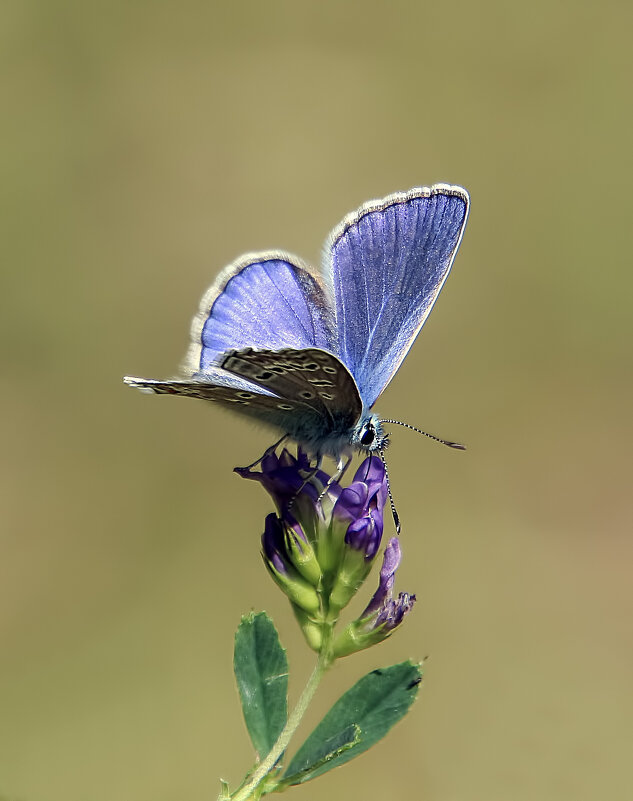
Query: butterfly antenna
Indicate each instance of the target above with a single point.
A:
(396, 519)
(457, 445)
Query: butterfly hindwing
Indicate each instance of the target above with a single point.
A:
(385, 265)
(308, 377)
(306, 393)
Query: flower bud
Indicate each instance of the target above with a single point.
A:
(279, 545)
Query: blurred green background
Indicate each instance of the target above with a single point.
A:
(145, 146)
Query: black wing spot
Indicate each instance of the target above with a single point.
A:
(245, 395)
(265, 376)
(307, 395)
(286, 407)
(320, 382)
(331, 370)
(327, 396)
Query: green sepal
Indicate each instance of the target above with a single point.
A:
(373, 705)
(312, 629)
(355, 637)
(330, 545)
(261, 672)
(349, 578)
(300, 591)
(303, 557)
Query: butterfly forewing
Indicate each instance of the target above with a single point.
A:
(265, 300)
(386, 265)
(243, 398)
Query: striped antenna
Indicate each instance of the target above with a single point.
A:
(457, 445)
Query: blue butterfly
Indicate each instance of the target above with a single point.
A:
(309, 355)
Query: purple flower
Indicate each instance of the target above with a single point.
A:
(383, 610)
(359, 513)
(273, 544)
(288, 480)
(390, 563)
(361, 506)
(383, 614)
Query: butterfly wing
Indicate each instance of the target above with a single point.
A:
(317, 391)
(308, 394)
(265, 300)
(234, 394)
(258, 306)
(385, 265)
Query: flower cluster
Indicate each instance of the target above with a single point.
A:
(321, 544)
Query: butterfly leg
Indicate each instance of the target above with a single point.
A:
(268, 451)
(341, 469)
(313, 471)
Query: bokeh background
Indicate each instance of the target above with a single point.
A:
(146, 145)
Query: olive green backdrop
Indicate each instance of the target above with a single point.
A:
(145, 146)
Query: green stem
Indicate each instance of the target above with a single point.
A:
(246, 791)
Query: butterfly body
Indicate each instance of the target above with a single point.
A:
(309, 355)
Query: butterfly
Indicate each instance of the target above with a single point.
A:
(310, 354)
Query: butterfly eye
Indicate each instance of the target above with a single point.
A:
(368, 437)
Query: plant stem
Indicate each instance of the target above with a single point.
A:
(246, 791)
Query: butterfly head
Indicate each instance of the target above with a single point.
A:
(368, 434)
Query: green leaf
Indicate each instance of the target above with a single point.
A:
(261, 671)
(330, 748)
(372, 706)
